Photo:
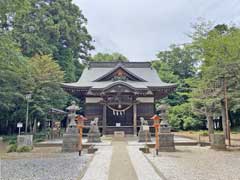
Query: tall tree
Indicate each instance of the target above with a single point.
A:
(177, 65)
(219, 49)
(54, 27)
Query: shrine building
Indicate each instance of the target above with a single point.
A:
(119, 93)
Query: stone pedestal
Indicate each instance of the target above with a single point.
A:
(70, 140)
(166, 142)
(94, 137)
(71, 137)
(94, 133)
(166, 138)
(24, 140)
(143, 136)
(218, 141)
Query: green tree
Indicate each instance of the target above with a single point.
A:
(54, 27)
(109, 57)
(45, 77)
(220, 53)
(12, 66)
(177, 65)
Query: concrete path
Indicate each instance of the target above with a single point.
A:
(121, 167)
(99, 167)
(143, 168)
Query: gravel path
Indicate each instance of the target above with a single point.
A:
(141, 165)
(121, 167)
(99, 166)
(198, 163)
(67, 166)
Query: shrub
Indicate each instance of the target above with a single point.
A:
(12, 148)
(203, 133)
(11, 138)
(12, 142)
(24, 149)
(39, 140)
(40, 136)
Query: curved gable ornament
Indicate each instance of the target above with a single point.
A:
(119, 87)
(120, 73)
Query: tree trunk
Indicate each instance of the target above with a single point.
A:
(223, 112)
(210, 126)
(34, 126)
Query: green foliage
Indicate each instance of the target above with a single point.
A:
(41, 42)
(55, 27)
(203, 133)
(177, 65)
(12, 148)
(181, 117)
(24, 149)
(109, 57)
(11, 138)
(39, 137)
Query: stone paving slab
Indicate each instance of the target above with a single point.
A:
(141, 165)
(177, 139)
(121, 167)
(99, 167)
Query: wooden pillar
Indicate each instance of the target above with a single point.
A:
(135, 119)
(104, 120)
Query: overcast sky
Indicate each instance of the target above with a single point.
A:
(140, 28)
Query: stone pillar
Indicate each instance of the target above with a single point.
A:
(135, 119)
(218, 141)
(104, 119)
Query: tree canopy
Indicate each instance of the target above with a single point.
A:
(109, 57)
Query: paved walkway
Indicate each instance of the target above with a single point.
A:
(121, 167)
(99, 167)
(143, 168)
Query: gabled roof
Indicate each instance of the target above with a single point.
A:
(98, 70)
(110, 74)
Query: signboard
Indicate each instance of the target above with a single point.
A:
(19, 125)
(118, 124)
(145, 128)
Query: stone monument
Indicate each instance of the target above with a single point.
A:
(25, 140)
(218, 141)
(166, 138)
(144, 134)
(71, 137)
(94, 134)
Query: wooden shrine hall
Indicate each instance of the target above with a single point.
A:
(119, 93)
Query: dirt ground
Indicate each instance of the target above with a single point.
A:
(3, 148)
(37, 152)
(235, 137)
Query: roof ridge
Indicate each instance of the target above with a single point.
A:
(117, 63)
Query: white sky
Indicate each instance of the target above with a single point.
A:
(140, 28)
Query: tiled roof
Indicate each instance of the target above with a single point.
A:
(98, 69)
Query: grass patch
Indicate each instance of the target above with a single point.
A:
(12, 148)
(24, 149)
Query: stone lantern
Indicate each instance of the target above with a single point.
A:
(166, 138)
(71, 137)
(164, 125)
